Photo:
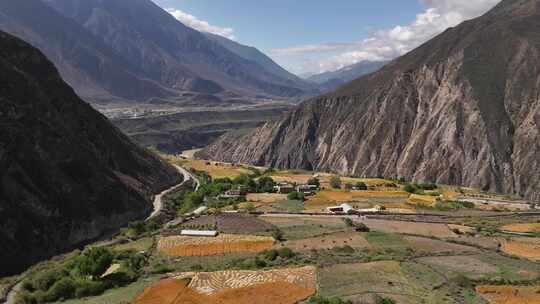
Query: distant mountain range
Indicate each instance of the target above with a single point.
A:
(67, 175)
(330, 81)
(134, 50)
(461, 109)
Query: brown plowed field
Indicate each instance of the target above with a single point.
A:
(424, 229)
(205, 246)
(173, 291)
(510, 294)
(340, 239)
(233, 223)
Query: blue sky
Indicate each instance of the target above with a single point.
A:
(312, 36)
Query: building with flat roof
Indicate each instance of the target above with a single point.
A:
(205, 233)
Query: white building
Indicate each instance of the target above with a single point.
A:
(206, 233)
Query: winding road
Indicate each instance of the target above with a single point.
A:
(158, 200)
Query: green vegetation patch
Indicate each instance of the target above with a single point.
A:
(289, 206)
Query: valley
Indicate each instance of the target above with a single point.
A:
(152, 156)
(397, 241)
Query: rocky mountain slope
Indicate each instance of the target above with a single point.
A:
(170, 53)
(91, 67)
(66, 174)
(464, 108)
(253, 54)
(330, 81)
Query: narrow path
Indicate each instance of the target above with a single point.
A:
(12, 294)
(158, 200)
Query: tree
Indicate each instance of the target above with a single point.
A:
(314, 181)
(266, 184)
(335, 182)
(409, 188)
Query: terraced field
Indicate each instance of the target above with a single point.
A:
(286, 286)
(204, 246)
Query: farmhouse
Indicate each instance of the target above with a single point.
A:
(343, 208)
(307, 189)
(200, 233)
(284, 188)
(234, 193)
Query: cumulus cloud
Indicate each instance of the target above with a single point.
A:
(201, 25)
(389, 43)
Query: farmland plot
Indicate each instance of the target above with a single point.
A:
(352, 239)
(528, 248)
(424, 229)
(284, 286)
(222, 244)
(510, 294)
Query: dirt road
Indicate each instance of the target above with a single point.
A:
(158, 200)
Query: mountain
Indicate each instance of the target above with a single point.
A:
(253, 54)
(463, 108)
(93, 69)
(67, 176)
(176, 56)
(330, 81)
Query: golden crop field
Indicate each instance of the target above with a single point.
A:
(216, 169)
(213, 282)
(205, 246)
(522, 227)
(528, 248)
(506, 294)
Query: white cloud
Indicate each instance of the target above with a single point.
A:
(389, 43)
(201, 25)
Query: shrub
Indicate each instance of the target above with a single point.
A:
(259, 263)
(93, 262)
(87, 288)
(160, 268)
(345, 249)
(62, 289)
(361, 186)
(270, 255)
(44, 281)
(314, 181)
(380, 300)
(250, 207)
(286, 253)
(361, 227)
(335, 182)
(296, 196)
(277, 234)
(409, 188)
(323, 300)
(348, 222)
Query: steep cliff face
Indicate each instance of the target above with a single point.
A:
(66, 174)
(464, 108)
